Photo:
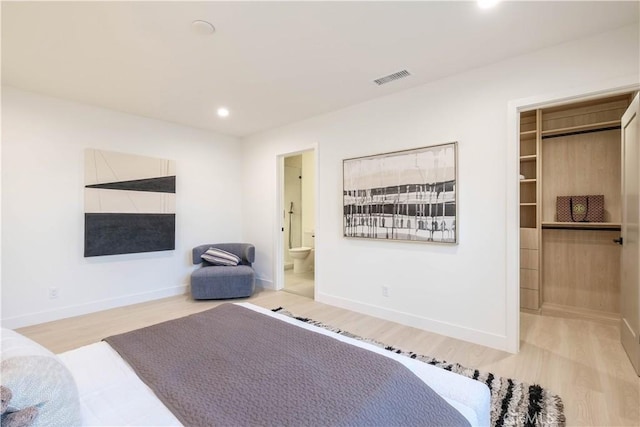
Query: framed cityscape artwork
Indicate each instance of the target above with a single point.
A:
(408, 195)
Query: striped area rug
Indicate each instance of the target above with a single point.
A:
(513, 402)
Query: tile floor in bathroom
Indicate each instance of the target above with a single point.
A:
(299, 283)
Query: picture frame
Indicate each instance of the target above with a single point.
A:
(409, 195)
(129, 203)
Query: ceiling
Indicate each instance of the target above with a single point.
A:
(270, 63)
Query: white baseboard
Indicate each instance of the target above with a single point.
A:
(92, 307)
(447, 329)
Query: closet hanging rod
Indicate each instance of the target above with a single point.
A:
(580, 132)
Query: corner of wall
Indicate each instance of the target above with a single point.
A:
(265, 284)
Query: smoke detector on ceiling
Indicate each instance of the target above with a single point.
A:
(202, 28)
(391, 77)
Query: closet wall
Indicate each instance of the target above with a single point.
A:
(573, 267)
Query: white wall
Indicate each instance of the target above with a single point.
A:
(308, 196)
(460, 291)
(43, 142)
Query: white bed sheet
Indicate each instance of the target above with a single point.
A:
(111, 394)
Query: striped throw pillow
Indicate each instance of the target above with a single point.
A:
(220, 257)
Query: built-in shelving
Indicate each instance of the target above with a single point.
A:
(579, 153)
(529, 210)
(570, 149)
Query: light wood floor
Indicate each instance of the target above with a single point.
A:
(299, 283)
(582, 361)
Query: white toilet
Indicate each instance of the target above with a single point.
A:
(301, 261)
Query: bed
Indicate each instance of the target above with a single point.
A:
(112, 393)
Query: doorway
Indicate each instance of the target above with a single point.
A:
(526, 193)
(298, 225)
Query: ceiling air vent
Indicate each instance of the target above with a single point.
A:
(391, 77)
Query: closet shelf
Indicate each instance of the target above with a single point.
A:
(582, 225)
(581, 128)
(529, 158)
(528, 133)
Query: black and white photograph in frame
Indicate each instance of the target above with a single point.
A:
(408, 195)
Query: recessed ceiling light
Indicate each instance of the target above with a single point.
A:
(203, 28)
(223, 112)
(487, 4)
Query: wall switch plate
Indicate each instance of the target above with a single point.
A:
(385, 291)
(53, 293)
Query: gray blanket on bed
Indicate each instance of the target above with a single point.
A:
(232, 366)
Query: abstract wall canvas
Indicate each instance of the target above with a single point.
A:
(406, 195)
(129, 202)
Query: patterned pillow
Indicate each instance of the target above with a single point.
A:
(36, 377)
(220, 257)
(18, 418)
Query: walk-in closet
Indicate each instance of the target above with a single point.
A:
(571, 266)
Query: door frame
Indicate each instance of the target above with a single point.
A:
(278, 259)
(514, 107)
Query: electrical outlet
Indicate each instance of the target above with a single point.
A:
(53, 293)
(385, 291)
